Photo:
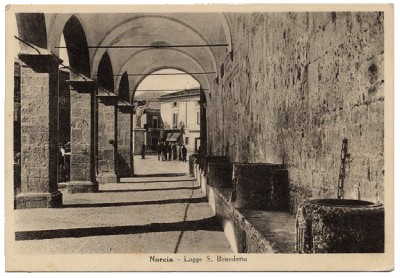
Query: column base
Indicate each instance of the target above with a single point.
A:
(82, 187)
(63, 185)
(104, 178)
(39, 200)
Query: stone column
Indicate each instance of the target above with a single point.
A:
(106, 138)
(39, 113)
(124, 140)
(82, 166)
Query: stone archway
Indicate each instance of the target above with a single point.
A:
(124, 119)
(77, 46)
(82, 107)
(32, 29)
(105, 73)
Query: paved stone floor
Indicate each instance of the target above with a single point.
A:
(159, 211)
(152, 166)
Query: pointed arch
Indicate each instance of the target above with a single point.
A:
(123, 91)
(77, 46)
(105, 74)
(32, 28)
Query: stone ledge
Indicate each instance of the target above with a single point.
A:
(256, 231)
(63, 185)
(105, 178)
(273, 228)
(39, 200)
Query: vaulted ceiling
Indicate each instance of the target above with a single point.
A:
(105, 32)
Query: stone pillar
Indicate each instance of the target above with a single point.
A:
(260, 186)
(106, 138)
(124, 140)
(138, 140)
(39, 114)
(82, 166)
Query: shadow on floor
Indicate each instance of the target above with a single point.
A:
(123, 168)
(147, 189)
(132, 180)
(143, 203)
(206, 224)
(160, 175)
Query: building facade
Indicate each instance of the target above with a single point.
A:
(148, 127)
(180, 112)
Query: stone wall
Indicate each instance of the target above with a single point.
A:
(295, 85)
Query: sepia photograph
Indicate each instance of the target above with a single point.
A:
(199, 138)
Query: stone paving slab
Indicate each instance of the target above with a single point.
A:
(125, 217)
(163, 242)
(152, 166)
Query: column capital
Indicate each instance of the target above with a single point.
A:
(107, 98)
(125, 107)
(81, 83)
(43, 63)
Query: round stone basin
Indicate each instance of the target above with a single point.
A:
(340, 226)
(344, 203)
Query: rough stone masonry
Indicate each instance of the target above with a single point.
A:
(300, 83)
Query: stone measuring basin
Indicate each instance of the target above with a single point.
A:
(260, 186)
(212, 159)
(340, 226)
(219, 174)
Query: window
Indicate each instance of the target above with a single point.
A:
(175, 120)
(155, 122)
(186, 140)
(175, 104)
(198, 118)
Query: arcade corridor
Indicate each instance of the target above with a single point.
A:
(291, 133)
